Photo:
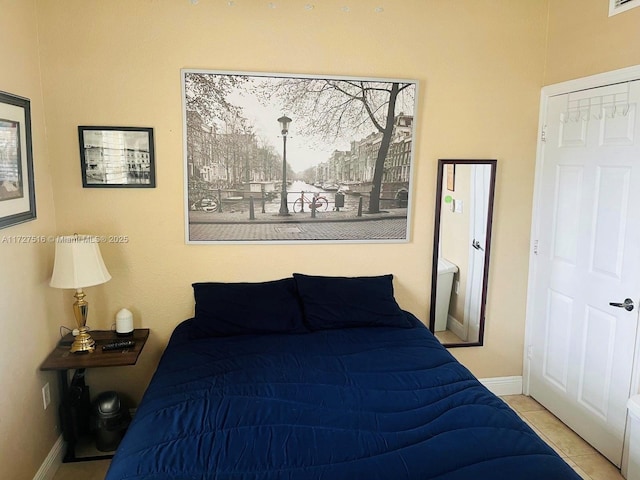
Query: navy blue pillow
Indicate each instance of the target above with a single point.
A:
(343, 302)
(225, 309)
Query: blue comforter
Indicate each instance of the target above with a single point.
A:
(358, 403)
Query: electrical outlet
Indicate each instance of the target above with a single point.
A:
(46, 395)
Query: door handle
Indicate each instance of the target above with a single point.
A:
(476, 244)
(627, 305)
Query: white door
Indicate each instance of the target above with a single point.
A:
(587, 256)
(478, 219)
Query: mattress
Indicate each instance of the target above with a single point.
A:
(369, 403)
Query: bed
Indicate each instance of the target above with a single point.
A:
(316, 377)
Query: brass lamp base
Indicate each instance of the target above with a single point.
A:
(83, 342)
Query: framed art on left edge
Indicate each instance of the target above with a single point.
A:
(17, 193)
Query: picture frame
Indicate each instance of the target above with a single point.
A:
(451, 177)
(17, 190)
(117, 157)
(297, 158)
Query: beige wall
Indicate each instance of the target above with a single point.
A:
(31, 310)
(480, 65)
(583, 40)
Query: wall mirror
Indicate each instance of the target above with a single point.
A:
(461, 246)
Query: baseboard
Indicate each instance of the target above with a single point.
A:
(503, 385)
(53, 461)
(455, 327)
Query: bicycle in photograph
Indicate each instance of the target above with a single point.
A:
(318, 202)
(208, 204)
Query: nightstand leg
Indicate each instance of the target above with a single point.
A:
(75, 410)
(66, 418)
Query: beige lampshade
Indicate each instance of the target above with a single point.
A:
(78, 263)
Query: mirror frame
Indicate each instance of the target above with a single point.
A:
(442, 163)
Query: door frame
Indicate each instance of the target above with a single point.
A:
(594, 81)
(475, 275)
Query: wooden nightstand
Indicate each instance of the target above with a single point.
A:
(62, 360)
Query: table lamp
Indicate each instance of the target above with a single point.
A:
(78, 264)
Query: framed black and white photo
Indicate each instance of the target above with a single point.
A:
(279, 158)
(121, 157)
(17, 193)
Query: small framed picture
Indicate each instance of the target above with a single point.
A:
(117, 157)
(17, 193)
(451, 177)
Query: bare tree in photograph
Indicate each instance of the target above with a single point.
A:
(207, 95)
(335, 108)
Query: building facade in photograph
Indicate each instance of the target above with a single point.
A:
(231, 159)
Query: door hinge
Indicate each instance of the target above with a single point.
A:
(543, 134)
(529, 351)
(535, 247)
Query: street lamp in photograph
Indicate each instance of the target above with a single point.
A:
(284, 125)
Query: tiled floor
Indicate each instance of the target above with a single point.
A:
(83, 470)
(447, 336)
(589, 464)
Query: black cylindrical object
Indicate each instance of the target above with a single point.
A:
(111, 421)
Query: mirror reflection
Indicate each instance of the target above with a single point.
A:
(462, 241)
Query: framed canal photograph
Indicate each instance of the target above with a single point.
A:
(17, 193)
(297, 158)
(121, 157)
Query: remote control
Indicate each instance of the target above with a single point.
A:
(118, 345)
